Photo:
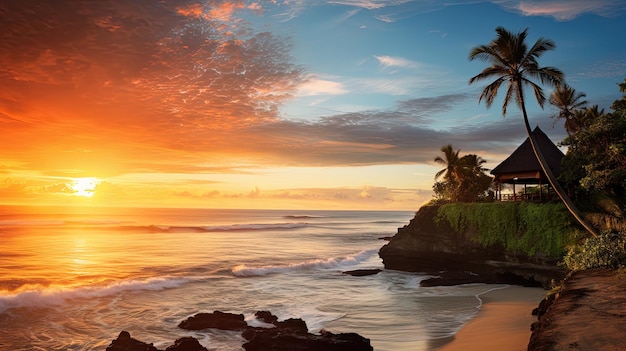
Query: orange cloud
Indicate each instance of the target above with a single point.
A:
(99, 89)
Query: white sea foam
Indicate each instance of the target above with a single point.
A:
(39, 296)
(30, 222)
(329, 263)
(255, 226)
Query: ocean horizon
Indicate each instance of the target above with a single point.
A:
(73, 278)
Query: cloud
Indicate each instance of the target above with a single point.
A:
(369, 4)
(348, 194)
(117, 87)
(316, 86)
(405, 134)
(389, 61)
(122, 80)
(564, 10)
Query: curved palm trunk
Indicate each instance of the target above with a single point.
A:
(548, 172)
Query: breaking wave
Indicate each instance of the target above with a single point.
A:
(41, 296)
(329, 263)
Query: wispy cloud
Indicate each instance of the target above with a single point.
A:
(389, 61)
(369, 4)
(564, 10)
(316, 86)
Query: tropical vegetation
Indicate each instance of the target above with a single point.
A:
(607, 250)
(593, 168)
(514, 64)
(517, 226)
(463, 179)
(596, 161)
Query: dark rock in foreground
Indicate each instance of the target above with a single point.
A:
(217, 320)
(292, 335)
(186, 343)
(289, 335)
(125, 343)
(266, 316)
(429, 246)
(286, 340)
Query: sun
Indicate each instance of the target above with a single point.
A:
(85, 187)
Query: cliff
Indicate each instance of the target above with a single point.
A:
(463, 254)
(587, 313)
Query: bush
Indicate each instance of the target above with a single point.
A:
(608, 250)
(526, 227)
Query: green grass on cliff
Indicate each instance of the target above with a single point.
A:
(526, 227)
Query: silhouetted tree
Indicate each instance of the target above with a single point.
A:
(568, 101)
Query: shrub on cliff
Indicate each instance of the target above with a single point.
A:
(526, 227)
(607, 250)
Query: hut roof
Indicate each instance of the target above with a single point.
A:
(522, 165)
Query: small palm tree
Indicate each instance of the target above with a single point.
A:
(451, 162)
(568, 101)
(514, 64)
(472, 165)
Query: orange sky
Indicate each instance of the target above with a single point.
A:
(257, 104)
(172, 105)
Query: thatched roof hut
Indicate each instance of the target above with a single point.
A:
(522, 167)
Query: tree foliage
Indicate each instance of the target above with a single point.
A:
(463, 178)
(515, 65)
(607, 250)
(596, 160)
(568, 101)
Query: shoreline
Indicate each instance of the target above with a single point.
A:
(502, 322)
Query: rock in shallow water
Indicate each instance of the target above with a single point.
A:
(363, 272)
(289, 335)
(217, 320)
(125, 343)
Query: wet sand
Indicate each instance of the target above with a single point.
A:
(503, 321)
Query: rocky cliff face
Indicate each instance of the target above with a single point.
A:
(428, 246)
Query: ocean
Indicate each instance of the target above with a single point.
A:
(73, 278)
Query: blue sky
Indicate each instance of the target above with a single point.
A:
(373, 54)
(272, 104)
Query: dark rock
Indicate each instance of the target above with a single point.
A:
(294, 325)
(457, 278)
(291, 325)
(363, 272)
(288, 335)
(287, 340)
(187, 343)
(292, 335)
(125, 343)
(266, 316)
(429, 246)
(217, 320)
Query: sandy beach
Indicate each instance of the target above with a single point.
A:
(503, 322)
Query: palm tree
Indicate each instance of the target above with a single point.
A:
(451, 161)
(568, 101)
(473, 164)
(513, 63)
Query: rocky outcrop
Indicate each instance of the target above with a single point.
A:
(433, 247)
(291, 334)
(216, 320)
(124, 342)
(362, 272)
(587, 313)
